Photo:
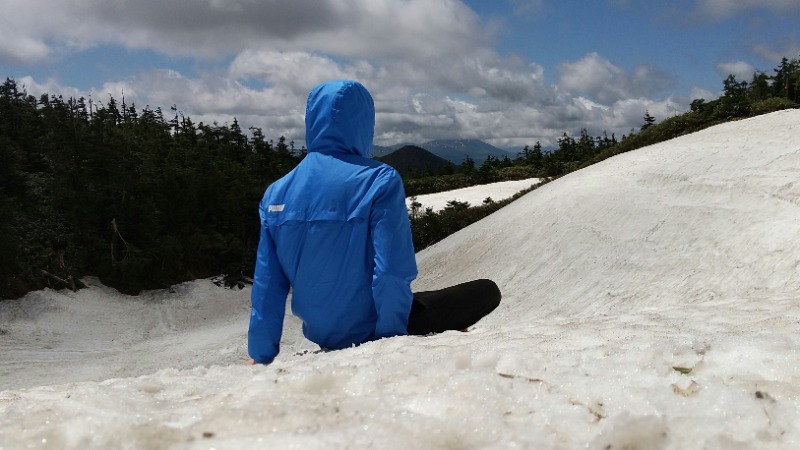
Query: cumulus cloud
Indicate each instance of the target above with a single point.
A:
(21, 48)
(49, 86)
(215, 28)
(599, 79)
(296, 71)
(743, 71)
(414, 101)
(430, 65)
(704, 94)
(508, 106)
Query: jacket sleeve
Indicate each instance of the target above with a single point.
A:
(268, 298)
(395, 263)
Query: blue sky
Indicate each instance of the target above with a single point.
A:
(686, 39)
(509, 72)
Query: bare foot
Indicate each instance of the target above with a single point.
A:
(250, 362)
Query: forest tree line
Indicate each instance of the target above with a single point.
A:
(135, 198)
(143, 199)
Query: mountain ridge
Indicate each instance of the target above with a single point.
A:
(453, 150)
(412, 158)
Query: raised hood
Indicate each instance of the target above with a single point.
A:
(340, 118)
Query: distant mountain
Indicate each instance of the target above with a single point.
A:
(380, 150)
(457, 150)
(411, 158)
(453, 150)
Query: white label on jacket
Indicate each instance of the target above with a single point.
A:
(275, 208)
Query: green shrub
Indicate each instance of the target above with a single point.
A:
(772, 104)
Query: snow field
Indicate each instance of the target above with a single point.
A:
(474, 195)
(650, 301)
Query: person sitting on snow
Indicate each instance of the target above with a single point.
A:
(336, 231)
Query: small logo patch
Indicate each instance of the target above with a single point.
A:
(275, 208)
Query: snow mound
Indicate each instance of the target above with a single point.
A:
(650, 301)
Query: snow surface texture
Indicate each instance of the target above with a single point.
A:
(650, 302)
(474, 195)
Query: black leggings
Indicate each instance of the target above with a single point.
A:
(453, 308)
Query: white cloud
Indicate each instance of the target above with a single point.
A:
(388, 29)
(743, 71)
(705, 94)
(296, 71)
(592, 75)
(596, 77)
(460, 95)
(588, 104)
(506, 105)
(49, 86)
(21, 48)
(430, 66)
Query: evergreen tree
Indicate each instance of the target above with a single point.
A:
(487, 170)
(787, 75)
(759, 88)
(648, 120)
(468, 166)
(734, 101)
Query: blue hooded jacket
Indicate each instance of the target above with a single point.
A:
(336, 230)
